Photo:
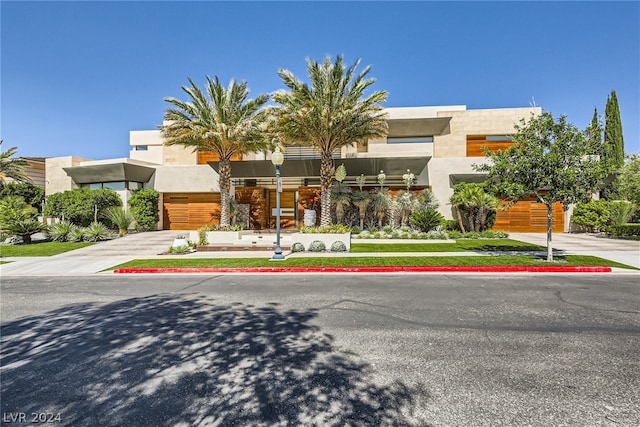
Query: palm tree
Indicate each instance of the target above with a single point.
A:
(380, 202)
(224, 122)
(328, 114)
(12, 167)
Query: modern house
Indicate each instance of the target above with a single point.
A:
(438, 144)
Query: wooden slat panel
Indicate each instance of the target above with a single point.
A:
(287, 200)
(475, 144)
(529, 216)
(190, 211)
(205, 157)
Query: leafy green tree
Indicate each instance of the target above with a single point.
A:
(19, 218)
(629, 180)
(223, 121)
(550, 160)
(330, 113)
(32, 194)
(12, 167)
(81, 206)
(144, 207)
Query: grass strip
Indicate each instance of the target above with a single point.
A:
(480, 245)
(506, 260)
(41, 249)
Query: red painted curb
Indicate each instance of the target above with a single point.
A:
(411, 269)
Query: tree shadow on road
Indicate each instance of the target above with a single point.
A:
(164, 360)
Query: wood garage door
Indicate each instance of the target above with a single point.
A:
(190, 211)
(529, 216)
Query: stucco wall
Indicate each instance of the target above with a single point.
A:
(57, 179)
(477, 122)
(186, 179)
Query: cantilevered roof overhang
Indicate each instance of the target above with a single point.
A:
(109, 173)
(309, 168)
(418, 127)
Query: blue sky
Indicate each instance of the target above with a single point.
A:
(76, 77)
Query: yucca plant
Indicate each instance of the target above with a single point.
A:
(361, 199)
(380, 202)
(120, 218)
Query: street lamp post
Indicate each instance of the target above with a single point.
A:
(277, 158)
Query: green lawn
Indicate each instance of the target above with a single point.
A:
(511, 260)
(41, 249)
(480, 245)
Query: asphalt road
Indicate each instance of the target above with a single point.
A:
(232, 350)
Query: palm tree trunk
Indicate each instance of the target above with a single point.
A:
(459, 215)
(326, 180)
(224, 169)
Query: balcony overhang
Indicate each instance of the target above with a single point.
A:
(309, 168)
(418, 127)
(109, 173)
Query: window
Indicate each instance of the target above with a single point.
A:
(115, 186)
(132, 185)
(410, 140)
(140, 148)
(491, 138)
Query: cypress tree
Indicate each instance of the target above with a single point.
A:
(613, 139)
(594, 136)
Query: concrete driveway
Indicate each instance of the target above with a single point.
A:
(94, 258)
(619, 250)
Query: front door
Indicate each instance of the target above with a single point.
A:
(288, 214)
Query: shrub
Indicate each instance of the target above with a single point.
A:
(202, 236)
(61, 231)
(426, 219)
(19, 218)
(179, 250)
(594, 215)
(455, 234)
(626, 230)
(120, 218)
(620, 212)
(31, 194)
(331, 229)
(317, 246)
(144, 207)
(96, 231)
(338, 246)
(297, 247)
(451, 225)
(79, 206)
(494, 234)
(356, 230)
